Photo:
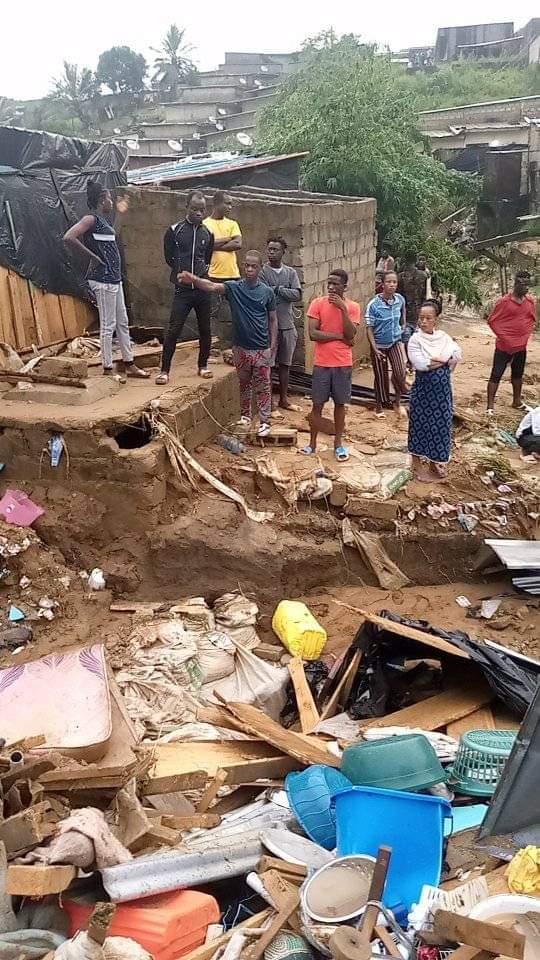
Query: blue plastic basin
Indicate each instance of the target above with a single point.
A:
(411, 824)
(310, 794)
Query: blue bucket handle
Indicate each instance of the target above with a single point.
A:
(448, 818)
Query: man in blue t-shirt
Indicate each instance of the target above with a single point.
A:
(386, 316)
(254, 334)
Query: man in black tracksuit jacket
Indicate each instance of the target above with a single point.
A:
(188, 245)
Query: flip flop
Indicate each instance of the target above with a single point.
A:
(341, 454)
(381, 416)
(308, 451)
(162, 378)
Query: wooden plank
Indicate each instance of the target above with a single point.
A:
(206, 821)
(481, 719)
(403, 631)
(345, 683)
(470, 953)
(38, 880)
(280, 889)
(272, 769)
(234, 756)
(279, 921)
(382, 934)
(21, 339)
(54, 321)
(27, 309)
(7, 328)
(477, 933)
(194, 780)
(212, 790)
(11, 377)
(71, 324)
(207, 951)
(282, 866)
(437, 711)
(256, 722)
(36, 299)
(309, 715)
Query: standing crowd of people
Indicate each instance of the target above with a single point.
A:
(401, 323)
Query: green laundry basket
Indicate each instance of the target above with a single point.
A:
(480, 761)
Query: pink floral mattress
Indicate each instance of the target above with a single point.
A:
(64, 697)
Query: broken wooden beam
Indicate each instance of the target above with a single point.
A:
(28, 828)
(38, 879)
(437, 711)
(309, 715)
(13, 377)
(402, 630)
(478, 933)
(212, 790)
(303, 748)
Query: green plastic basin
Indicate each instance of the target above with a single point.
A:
(408, 762)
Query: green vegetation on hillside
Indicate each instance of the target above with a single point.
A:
(356, 113)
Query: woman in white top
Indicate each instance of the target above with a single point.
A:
(433, 355)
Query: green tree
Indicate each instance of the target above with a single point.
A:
(121, 70)
(173, 62)
(351, 110)
(75, 88)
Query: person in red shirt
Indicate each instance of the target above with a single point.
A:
(333, 323)
(513, 320)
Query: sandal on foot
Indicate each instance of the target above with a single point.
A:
(162, 378)
(381, 415)
(263, 430)
(205, 373)
(131, 370)
(308, 451)
(243, 422)
(341, 454)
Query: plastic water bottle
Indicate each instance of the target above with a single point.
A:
(232, 444)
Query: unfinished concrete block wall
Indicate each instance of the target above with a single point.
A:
(322, 231)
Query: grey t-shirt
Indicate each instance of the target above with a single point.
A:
(286, 286)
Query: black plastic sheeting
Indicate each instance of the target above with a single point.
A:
(514, 684)
(43, 179)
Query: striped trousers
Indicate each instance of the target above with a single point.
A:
(392, 359)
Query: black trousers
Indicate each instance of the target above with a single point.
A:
(185, 300)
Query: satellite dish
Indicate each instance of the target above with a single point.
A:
(257, 83)
(196, 136)
(244, 139)
(211, 119)
(175, 145)
(117, 130)
(264, 69)
(220, 126)
(222, 112)
(133, 144)
(242, 80)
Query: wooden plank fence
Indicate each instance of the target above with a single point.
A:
(30, 317)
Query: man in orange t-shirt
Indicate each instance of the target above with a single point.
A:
(333, 323)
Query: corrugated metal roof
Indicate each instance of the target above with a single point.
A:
(202, 165)
(517, 554)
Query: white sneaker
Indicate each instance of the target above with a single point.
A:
(263, 430)
(490, 412)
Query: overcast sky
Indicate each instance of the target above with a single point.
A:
(37, 35)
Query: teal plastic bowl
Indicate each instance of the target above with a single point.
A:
(395, 763)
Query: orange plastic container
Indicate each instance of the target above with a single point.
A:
(168, 925)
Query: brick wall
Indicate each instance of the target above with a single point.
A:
(323, 232)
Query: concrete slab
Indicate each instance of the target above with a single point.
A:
(98, 388)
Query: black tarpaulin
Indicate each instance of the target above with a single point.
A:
(515, 684)
(43, 179)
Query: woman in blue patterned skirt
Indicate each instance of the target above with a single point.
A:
(433, 354)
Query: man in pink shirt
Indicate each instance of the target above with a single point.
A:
(333, 323)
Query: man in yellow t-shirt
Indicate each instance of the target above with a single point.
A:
(224, 265)
(227, 239)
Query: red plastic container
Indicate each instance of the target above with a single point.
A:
(168, 925)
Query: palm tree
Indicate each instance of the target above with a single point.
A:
(75, 87)
(173, 62)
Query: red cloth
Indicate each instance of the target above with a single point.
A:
(513, 322)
